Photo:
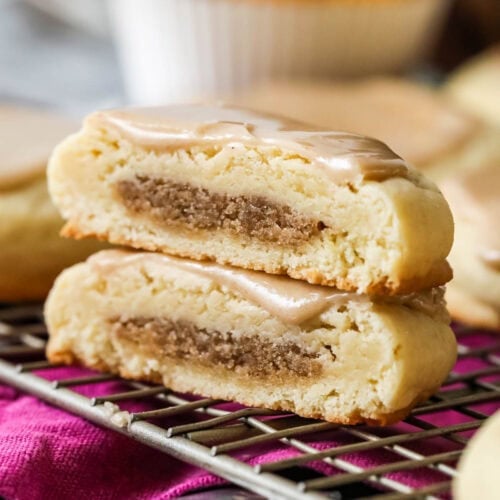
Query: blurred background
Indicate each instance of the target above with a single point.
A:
(383, 68)
(80, 55)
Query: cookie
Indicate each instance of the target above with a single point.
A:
(245, 336)
(475, 86)
(442, 140)
(413, 119)
(479, 465)
(31, 251)
(474, 294)
(254, 191)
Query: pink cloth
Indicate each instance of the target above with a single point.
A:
(47, 453)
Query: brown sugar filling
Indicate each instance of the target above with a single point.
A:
(174, 203)
(183, 340)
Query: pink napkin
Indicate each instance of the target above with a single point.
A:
(47, 453)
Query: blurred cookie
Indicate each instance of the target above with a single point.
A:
(31, 251)
(474, 197)
(392, 110)
(475, 86)
(478, 468)
(412, 118)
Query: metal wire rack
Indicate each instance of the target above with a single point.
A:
(212, 435)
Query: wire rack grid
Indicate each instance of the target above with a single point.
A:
(213, 434)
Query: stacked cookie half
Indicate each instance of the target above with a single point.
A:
(279, 265)
(451, 134)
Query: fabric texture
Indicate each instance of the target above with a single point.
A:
(47, 453)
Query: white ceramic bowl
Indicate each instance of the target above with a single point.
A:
(175, 50)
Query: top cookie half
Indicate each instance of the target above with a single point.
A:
(254, 191)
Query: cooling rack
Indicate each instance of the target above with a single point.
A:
(212, 436)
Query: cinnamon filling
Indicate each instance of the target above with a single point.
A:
(259, 357)
(177, 204)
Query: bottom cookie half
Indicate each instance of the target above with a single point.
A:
(147, 317)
